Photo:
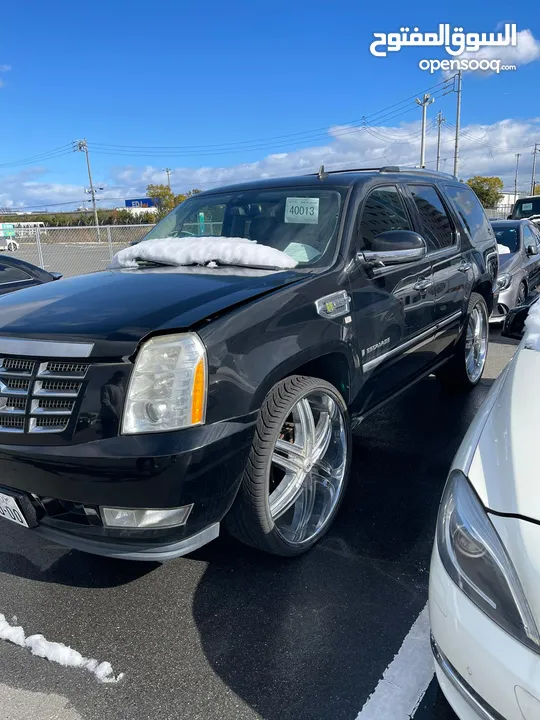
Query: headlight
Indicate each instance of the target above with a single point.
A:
(504, 281)
(476, 560)
(167, 390)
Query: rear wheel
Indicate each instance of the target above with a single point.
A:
(297, 470)
(464, 371)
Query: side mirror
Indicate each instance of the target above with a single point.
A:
(532, 250)
(514, 322)
(394, 247)
(509, 217)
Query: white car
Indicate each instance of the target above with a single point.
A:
(8, 244)
(484, 591)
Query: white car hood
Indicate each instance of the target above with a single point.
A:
(505, 467)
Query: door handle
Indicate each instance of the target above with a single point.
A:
(423, 284)
(465, 267)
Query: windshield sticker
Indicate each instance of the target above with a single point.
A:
(300, 252)
(302, 210)
(526, 206)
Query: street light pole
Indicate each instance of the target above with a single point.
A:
(458, 123)
(82, 146)
(168, 171)
(533, 178)
(440, 120)
(426, 100)
(516, 177)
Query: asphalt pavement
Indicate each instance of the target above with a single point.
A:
(230, 634)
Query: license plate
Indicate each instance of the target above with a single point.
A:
(11, 511)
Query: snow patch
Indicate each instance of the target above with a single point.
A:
(503, 250)
(56, 652)
(202, 251)
(532, 327)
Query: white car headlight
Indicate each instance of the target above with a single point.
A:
(476, 560)
(167, 389)
(504, 281)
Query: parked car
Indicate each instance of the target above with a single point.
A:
(527, 208)
(8, 243)
(484, 592)
(215, 379)
(17, 274)
(519, 263)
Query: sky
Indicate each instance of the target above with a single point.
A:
(220, 92)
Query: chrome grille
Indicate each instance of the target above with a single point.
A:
(38, 397)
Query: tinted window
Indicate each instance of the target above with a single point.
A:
(507, 235)
(471, 212)
(383, 210)
(437, 227)
(8, 274)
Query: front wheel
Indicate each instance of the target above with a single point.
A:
(466, 367)
(297, 470)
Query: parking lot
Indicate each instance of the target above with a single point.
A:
(230, 633)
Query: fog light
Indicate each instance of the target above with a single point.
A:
(151, 519)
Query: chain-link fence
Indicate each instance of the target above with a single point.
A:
(72, 250)
(501, 212)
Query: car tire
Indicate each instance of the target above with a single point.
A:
(297, 470)
(466, 367)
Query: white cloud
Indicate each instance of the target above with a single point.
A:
(5, 68)
(485, 150)
(526, 51)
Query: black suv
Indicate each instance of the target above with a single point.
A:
(142, 407)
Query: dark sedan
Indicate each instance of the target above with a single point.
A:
(16, 274)
(518, 242)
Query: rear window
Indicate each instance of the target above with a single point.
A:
(471, 212)
(526, 208)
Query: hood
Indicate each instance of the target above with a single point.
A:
(122, 306)
(504, 469)
(508, 262)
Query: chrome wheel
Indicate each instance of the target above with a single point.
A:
(476, 343)
(307, 470)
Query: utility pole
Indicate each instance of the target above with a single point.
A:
(82, 146)
(440, 120)
(533, 179)
(424, 102)
(168, 171)
(516, 177)
(458, 123)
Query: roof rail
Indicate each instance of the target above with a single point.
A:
(322, 173)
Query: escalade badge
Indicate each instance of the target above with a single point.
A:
(334, 305)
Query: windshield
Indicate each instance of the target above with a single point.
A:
(526, 208)
(508, 236)
(301, 222)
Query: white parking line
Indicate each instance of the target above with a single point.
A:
(406, 679)
(56, 652)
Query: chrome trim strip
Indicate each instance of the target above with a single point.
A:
(418, 340)
(33, 427)
(44, 348)
(36, 409)
(40, 392)
(479, 706)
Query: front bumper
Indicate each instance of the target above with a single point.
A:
(485, 673)
(67, 484)
(506, 300)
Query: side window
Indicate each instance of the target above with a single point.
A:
(471, 212)
(9, 274)
(529, 238)
(383, 210)
(437, 226)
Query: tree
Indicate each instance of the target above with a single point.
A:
(536, 189)
(488, 189)
(166, 199)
